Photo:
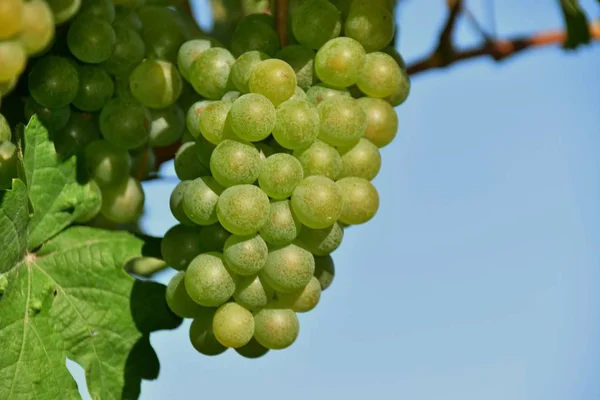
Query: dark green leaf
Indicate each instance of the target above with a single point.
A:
(14, 216)
(576, 23)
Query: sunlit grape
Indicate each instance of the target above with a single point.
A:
(14, 59)
(382, 121)
(192, 119)
(276, 329)
(233, 325)
(38, 26)
(209, 74)
(320, 159)
(317, 202)
(189, 52)
(274, 79)
(124, 203)
(207, 280)
(340, 61)
(322, 242)
(243, 209)
(315, 22)
(245, 255)
(301, 59)
(178, 300)
(361, 160)
(288, 268)
(320, 92)
(304, 300)
(200, 200)
(360, 199)
(252, 117)
(155, 83)
(297, 124)
(11, 18)
(235, 163)
(342, 121)
(176, 203)
(299, 94)
(231, 96)
(401, 91)
(279, 175)
(380, 76)
(282, 226)
(252, 293)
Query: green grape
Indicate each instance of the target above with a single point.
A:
(125, 123)
(245, 255)
(401, 91)
(282, 226)
(320, 92)
(176, 203)
(200, 200)
(164, 31)
(103, 9)
(371, 26)
(252, 117)
(243, 209)
(317, 202)
(209, 74)
(235, 163)
(279, 176)
(81, 130)
(231, 96)
(166, 126)
(204, 150)
(187, 137)
(274, 79)
(155, 83)
(106, 163)
(343, 7)
(233, 325)
(340, 61)
(5, 131)
(252, 350)
(207, 280)
(192, 118)
(360, 199)
(7, 86)
(129, 52)
(91, 40)
(178, 300)
(343, 121)
(297, 124)
(261, 17)
(93, 190)
(38, 26)
(213, 122)
(391, 51)
(320, 159)
(53, 82)
(8, 164)
(123, 204)
(382, 121)
(54, 119)
(243, 67)
(143, 163)
(11, 18)
(288, 268)
(301, 59)
(304, 300)
(361, 160)
(187, 164)
(202, 336)
(315, 22)
(213, 237)
(380, 76)
(299, 94)
(14, 59)
(189, 52)
(64, 10)
(322, 242)
(180, 245)
(276, 329)
(252, 293)
(324, 271)
(95, 88)
(127, 18)
(254, 34)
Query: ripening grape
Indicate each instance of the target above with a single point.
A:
(8, 164)
(297, 124)
(189, 52)
(127, 18)
(209, 74)
(233, 325)
(382, 121)
(53, 82)
(322, 242)
(340, 61)
(320, 159)
(95, 88)
(304, 300)
(128, 53)
(176, 203)
(252, 293)
(401, 91)
(202, 336)
(343, 121)
(371, 26)
(254, 34)
(252, 117)
(91, 40)
(200, 200)
(302, 60)
(54, 119)
(155, 83)
(235, 163)
(187, 163)
(5, 131)
(324, 271)
(213, 237)
(317, 202)
(125, 123)
(125, 203)
(107, 163)
(11, 18)
(288, 268)
(243, 67)
(64, 10)
(166, 126)
(207, 280)
(252, 350)
(381, 75)
(274, 79)
(315, 22)
(275, 328)
(282, 226)
(13, 58)
(243, 209)
(213, 122)
(321, 92)
(103, 9)
(38, 26)
(245, 255)
(361, 200)
(178, 300)
(180, 245)
(192, 118)
(279, 176)
(143, 163)
(361, 160)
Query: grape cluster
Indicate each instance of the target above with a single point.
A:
(286, 142)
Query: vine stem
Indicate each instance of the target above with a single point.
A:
(281, 21)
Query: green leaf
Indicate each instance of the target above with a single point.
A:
(576, 23)
(58, 195)
(73, 299)
(14, 216)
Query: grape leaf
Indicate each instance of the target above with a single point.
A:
(576, 23)
(58, 195)
(14, 215)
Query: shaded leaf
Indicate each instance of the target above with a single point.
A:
(14, 216)
(576, 23)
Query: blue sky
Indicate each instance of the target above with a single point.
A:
(478, 278)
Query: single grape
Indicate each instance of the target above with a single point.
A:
(317, 202)
(343, 121)
(54, 119)
(127, 18)
(297, 124)
(187, 164)
(235, 163)
(166, 126)
(279, 176)
(95, 88)
(243, 209)
(64, 10)
(11, 18)
(5, 131)
(321, 92)
(129, 52)
(143, 163)
(106, 163)
(274, 79)
(288, 268)
(381, 75)
(401, 91)
(91, 40)
(371, 26)
(209, 74)
(178, 300)
(180, 245)
(252, 293)
(361, 200)
(231, 96)
(252, 117)
(81, 130)
(315, 22)
(245, 255)
(282, 226)
(302, 60)
(391, 51)
(233, 325)
(14, 59)
(324, 271)
(176, 203)
(207, 280)
(320, 159)
(202, 336)
(304, 300)
(103, 9)
(213, 237)
(8, 164)
(382, 121)
(192, 119)
(243, 67)
(276, 329)
(252, 350)
(189, 52)
(253, 34)
(125, 203)
(155, 83)
(361, 160)
(200, 200)
(322, 242)
(38, 26)
(213, 122)
(53, 82)
(299, 94)
(164, 30)
(125, 123)
(340, 61)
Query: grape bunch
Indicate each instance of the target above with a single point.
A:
(285, 144)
